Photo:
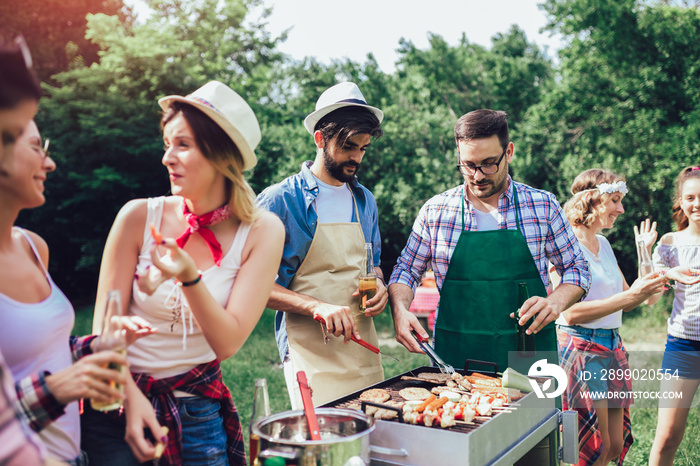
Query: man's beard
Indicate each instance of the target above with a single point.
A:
(493, 186)
(336, 170)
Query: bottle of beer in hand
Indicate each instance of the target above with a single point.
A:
(261, 409)
(526, 343)
(112, 337)
(646, 265)
(368, 278)
(523, 295)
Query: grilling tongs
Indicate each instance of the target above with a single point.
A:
(425, 346)
(359, 341)
(308, 406)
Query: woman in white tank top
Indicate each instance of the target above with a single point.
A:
(204, 286)
(36, 319)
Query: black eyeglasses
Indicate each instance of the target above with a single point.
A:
(44, 151)
(486, 169)
(21, 44)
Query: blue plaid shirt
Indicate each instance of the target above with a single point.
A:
(548, 234)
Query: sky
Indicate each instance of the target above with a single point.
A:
(331, 29)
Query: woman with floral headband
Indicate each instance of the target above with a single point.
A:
(587, 332)
(204, 285)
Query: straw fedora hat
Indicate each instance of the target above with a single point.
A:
(341, 95)
(228, 110)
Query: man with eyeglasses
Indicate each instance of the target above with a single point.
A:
(482, 239)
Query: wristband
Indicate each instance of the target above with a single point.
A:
(190, 283)
(381, 280)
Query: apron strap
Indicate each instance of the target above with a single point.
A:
(517, 210)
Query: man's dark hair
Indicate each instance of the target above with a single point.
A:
(347, 122)
(18, 82)
(481, 124)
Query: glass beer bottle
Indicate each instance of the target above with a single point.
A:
(261, 409)
(112, 338)
(526, 343)
(368, 278)
(523, 295)
(646, 265)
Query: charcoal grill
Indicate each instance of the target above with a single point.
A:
(500, 440)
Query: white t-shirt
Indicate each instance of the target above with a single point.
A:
(486, 221)
(333, 203)
(606, 281)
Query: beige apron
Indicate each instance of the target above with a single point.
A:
(331, 273)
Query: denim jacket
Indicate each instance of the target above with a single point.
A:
(293, 202)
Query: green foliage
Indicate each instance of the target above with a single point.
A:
(103, 119)
(626, 99)
(55, 30)
(416, 158)
(623, 96)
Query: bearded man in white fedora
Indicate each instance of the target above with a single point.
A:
(328, 217)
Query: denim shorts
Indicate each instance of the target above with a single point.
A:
(606, 337)
(203, 435)
(683, 356)
(81, 460)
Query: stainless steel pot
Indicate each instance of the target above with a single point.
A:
(344, 437)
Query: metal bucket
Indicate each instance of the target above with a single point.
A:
(344, 438)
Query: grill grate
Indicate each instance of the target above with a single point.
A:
(395, 384)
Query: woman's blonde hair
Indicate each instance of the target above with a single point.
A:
(586, 204)
(219, 149)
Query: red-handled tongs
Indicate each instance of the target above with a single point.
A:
(308, 405)
(362, 342)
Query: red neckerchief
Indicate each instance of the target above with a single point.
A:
(199, 224)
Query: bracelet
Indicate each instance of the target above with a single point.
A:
(191, 283)
(381, 280)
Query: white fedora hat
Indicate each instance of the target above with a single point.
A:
(341, 95)
(228, 110)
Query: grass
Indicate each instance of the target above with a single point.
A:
(258, 358)
(645, 328)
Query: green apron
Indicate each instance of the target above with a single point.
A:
(479, 293)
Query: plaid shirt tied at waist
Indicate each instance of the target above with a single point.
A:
(204, 380)
(574, 353)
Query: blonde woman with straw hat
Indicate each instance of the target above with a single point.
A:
(200, 265)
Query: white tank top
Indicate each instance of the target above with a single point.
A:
(179, 344)
(34, 337)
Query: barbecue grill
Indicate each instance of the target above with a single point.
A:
(501, 439)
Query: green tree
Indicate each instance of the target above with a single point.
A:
(55, 30)
(103, 119)
(626, 99)
(417, 156)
